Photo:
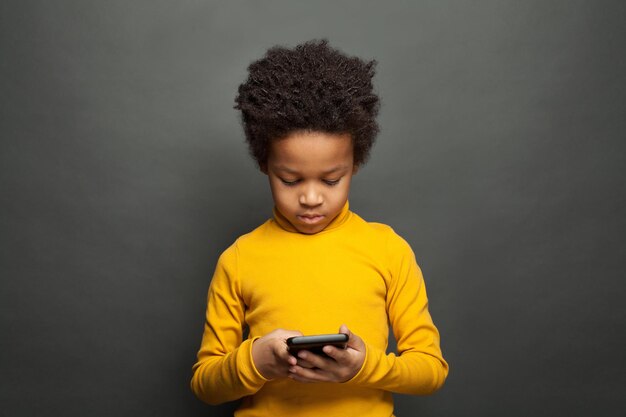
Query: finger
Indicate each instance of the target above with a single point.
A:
(298, 378)
(339, 355)
(316, 360)
(308, 375)
(305, 364)
(344, 329)
(286, 334)
(354, 341)
(283, 354)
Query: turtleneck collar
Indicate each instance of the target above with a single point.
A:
(339, 220)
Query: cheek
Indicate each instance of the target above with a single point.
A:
(337, 198)
(281, 195)
(277, 194)
(344, 190)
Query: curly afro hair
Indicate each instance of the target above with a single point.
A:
(312, 87)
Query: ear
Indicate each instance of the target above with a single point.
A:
(355, 169)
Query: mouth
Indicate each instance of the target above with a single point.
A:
(311, 218)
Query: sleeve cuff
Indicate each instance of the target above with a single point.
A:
(360, 376)
(251, 377)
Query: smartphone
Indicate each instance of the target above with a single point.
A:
(314, 344)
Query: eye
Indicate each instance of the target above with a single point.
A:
(332, 182)
(289, 183)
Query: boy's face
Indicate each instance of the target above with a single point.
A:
(310, 174)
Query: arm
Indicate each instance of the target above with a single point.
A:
(420, 367)
(225, 369)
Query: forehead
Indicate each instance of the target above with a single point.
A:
(311, 150)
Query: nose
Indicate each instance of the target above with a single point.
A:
(311, 196)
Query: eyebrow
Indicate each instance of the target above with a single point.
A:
(291, 171)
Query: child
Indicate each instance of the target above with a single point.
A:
(315, 267)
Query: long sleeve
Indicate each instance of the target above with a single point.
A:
(224, 370)
(420, 367)
(358, 273)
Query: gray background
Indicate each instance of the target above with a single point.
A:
(124, 175)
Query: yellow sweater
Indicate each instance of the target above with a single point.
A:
(353, 272)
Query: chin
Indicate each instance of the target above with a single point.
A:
(311, 230)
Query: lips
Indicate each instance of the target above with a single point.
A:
(311, 218)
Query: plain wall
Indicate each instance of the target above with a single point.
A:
(124, 174)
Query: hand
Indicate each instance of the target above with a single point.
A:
(270, 355)
(342, 365)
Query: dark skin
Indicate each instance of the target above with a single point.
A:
(273, 361)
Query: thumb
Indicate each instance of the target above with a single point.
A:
(354, 341)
